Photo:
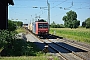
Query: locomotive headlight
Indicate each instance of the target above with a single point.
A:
(46, 31)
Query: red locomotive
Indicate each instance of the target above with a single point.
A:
(39, 27)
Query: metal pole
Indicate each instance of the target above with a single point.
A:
(48, 14)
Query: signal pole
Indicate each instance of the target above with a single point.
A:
(48, 14)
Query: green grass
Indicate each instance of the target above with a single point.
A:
(20, 30)
(24, 58)
(79, 34)
(30, 58)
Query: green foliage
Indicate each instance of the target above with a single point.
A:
(16, 47)
(20, 48)
(20, 30)
(70, 20)
(58, 26)
(11, 25)
(6, 37)
(86, 23)
(18, 23)
(76, 23)
(83, 24)
(80, 34)
(62, 26)
(54, 25)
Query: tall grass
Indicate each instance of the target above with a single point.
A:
(30, 58)
(80, 34)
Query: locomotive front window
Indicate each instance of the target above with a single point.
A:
(42, 25)
(45, 25)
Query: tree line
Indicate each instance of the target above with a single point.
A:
(13, 25)
(54, 25)
(70, 21)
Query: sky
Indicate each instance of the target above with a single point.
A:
(23, 10)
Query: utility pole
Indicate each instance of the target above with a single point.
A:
(48, 14)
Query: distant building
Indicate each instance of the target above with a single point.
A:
(4, 13)
(25, 25)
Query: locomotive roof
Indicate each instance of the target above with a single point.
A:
(40, 20)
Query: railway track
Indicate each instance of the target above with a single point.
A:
(61, 39)
(72, 52)
(85, 53)
(67, 55)
(74, 44)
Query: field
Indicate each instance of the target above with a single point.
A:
(30, 58)
(79, 34)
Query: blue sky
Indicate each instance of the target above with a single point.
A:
(23, 10)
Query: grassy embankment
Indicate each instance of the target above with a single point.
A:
(24, 51)
(79, 34)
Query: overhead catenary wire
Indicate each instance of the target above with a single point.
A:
(61, 2)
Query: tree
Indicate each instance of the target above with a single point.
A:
(11, 25)
(58, 25)
(86, 23)
(18, 23)
(62, 26)
(70, 20)
(53, 25)
(76, 23)
(83, 24)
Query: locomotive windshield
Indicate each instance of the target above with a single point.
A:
(42, 25)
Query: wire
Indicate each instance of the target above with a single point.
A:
(86, 7)
(59, 3)
(38, 0)
(22, 7)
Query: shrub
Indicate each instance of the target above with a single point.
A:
(6, 37)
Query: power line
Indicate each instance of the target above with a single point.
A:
(38, 0)
(20, 7)
(59, 3)
(54, 6)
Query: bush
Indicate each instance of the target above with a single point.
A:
(11, 25)
(20, 48)
(16, 47)
(6, 37)
(13, 49)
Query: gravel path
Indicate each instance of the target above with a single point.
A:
(37, 42)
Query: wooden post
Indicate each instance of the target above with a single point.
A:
(3, 15)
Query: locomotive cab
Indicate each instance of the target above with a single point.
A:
(42, 28)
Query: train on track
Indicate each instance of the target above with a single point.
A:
(39, 27)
